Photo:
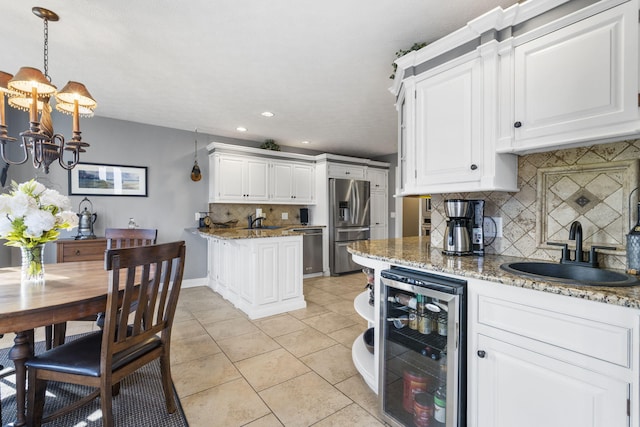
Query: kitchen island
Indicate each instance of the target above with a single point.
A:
(569, 352)
(258, 270)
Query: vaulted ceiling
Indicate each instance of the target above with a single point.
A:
(322, 67)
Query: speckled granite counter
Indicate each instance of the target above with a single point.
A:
(254, 233)
(416, 252)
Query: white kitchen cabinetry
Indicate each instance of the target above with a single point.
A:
(378, 202)
(534, 354)
(292, 182)
(576, 84)
(239, 179)
(378, 179)
(261, 276)
(450, 126)
(340, 170)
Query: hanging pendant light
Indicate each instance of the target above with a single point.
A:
(195, 170)
(30, 90)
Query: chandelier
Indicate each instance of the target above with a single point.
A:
(31, 90)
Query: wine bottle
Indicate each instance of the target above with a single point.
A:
(404, 299)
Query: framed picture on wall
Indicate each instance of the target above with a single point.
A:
(96, 179)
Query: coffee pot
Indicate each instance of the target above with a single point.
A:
(86, 221)
(464, 234)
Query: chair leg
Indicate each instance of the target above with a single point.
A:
(35, 400)
(106, 406)
(167, 385)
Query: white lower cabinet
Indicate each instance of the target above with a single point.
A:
(521, 387)
(261, 276)
(536, 358)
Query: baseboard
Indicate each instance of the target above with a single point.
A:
(192, 283)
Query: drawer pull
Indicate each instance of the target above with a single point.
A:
(481, 354)
(77, 252)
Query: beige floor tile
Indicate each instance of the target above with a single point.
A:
(279, 325)
(248, 345)
(334, 364)
(231, 404)
(311, 310)
(322, 298)
(305, 341)
(329, 322)
(200, 374)
(343, 307)
(187, 329)
(357, 390)
(304, 400)
(346, 336)
(352, 416)
(230, 328)
(191, 348)
(217, 314)
(269, 369)
(268, 421)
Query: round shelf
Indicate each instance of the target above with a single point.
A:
(361, 304)
(364, 362)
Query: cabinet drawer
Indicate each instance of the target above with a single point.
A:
(81, 250)
(600, 340)
(338, 170)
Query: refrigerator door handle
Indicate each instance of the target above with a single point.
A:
(347, 230)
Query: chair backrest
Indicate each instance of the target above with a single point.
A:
(144, 284)
(130, 237)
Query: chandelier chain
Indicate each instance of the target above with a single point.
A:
(46, 49)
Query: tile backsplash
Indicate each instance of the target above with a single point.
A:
(588, 184)
(223, 212)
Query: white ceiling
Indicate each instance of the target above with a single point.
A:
(321, 66)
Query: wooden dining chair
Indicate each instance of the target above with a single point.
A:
(149, 278)
(130, 237)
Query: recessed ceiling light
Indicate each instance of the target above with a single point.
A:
(241, 129)
(268, 114)
(304, 142)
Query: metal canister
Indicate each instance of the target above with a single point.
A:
(424, 323)
(442, 324)
(413, 319)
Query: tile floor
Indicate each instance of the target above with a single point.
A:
(293, 369)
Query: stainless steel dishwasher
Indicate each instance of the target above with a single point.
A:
(311, 249)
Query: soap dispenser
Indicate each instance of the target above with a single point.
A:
(633, 247)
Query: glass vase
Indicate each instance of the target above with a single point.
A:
(33, 264)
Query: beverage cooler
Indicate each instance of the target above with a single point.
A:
(422, 379)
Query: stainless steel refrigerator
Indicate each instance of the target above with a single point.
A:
(348, 221)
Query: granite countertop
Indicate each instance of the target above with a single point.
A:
(417, 252)
(254, 233)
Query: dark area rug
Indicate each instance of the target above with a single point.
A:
(140, 402)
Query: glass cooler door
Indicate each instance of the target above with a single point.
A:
(421, 380)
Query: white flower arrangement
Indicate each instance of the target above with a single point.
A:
(32, 214)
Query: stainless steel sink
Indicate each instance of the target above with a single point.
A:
(570, 273)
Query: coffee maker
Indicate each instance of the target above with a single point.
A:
(464, 234)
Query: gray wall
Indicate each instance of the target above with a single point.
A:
(172, 197)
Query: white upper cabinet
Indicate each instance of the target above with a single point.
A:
(239, 179)
(292, 182)
(340, 170)
(576, 84)
(377, 178)
(243, 175)
(448, 126)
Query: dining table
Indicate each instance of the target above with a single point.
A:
(70, 291)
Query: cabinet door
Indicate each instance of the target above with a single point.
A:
(229, 178)
(448, 126)
(303, 183)
(339, 170)
(256, 179)
(573, 82)
(266, 272)
(379, 209)
(281, 182)
(521, 387)
(378, 179)
(290, 254)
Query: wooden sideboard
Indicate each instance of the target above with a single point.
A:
(69, 250)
